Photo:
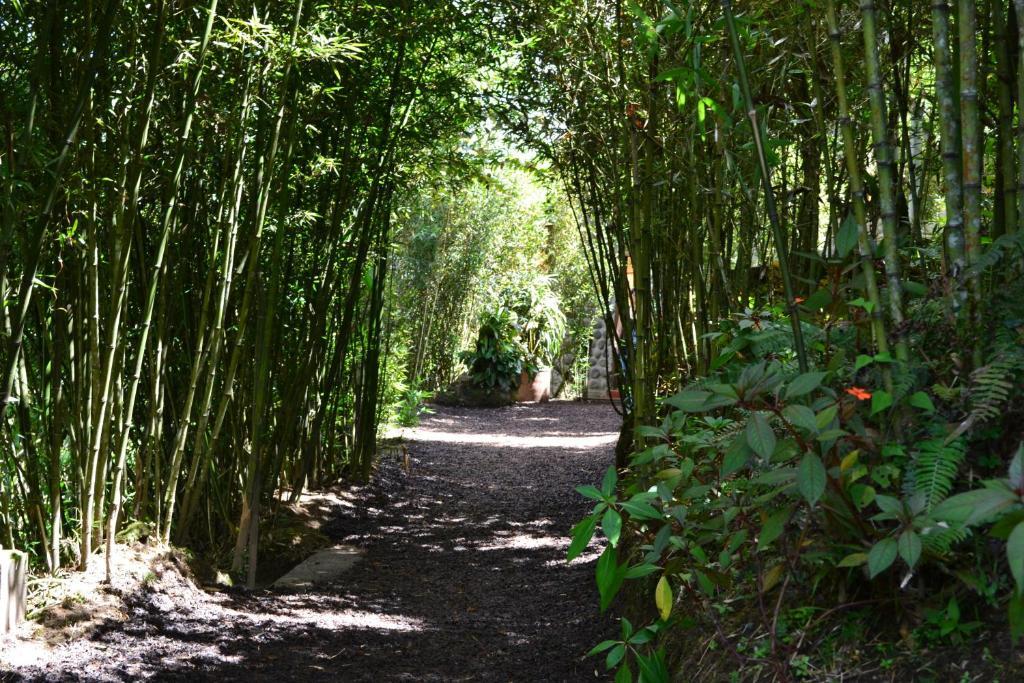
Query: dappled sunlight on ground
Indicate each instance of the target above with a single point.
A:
(588, 442)
(464, 575)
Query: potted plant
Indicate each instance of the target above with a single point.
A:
(542, 327)
(519, 338)
(496, 361)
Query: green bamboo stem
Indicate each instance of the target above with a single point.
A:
(248, 527)
(769, 192)
(971, 131)
(37, 240)
(949, 122)
(200, 451)
(1018, 6)
(167, 227)
(1007, 166)
(886, 173)
(856, 182)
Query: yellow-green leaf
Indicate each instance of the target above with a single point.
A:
(854, 560)
(663, 597)
(772, 577)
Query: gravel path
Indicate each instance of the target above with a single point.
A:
(464, 577)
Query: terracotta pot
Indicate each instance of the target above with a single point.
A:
(537, 390)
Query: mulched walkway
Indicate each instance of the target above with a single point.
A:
(464, 577)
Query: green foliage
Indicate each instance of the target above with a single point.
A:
(485, 235)
(496, 362)
(412, 407)
(934, 469)
(760, 478)
(522, 333)
(994, 384)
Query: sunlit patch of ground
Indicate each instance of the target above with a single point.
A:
(587, 442)
(464, 576)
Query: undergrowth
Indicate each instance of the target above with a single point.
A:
(842, 521)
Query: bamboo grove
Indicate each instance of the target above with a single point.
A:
(219, 240)
(194, 253)
(734, 152)
(804, 222)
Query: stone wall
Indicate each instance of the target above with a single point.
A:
(601, 360)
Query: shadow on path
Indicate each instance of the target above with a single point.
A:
(464, 577)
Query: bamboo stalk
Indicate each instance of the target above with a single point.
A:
(769, 192)
(856, 182)
(886, 174)
(949, 120)
(972, 160)
(158, 266)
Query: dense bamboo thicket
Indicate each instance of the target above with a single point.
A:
(807, 217)
(237, 237)
(738, 154)
(196, 219)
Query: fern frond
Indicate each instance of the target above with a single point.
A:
(992, 385)
(933, 469)
(939, 540)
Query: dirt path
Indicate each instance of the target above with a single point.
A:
(464, 577)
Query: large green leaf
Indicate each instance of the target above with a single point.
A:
(609, 481)
(975, 506)
(615, 656)
(880, 400)
(824, 418)
(804, 384)
(611, 525)
(582, 533)
(760, 436)
(640, 510)
(1015, 555)
(909, 547)
(736, 457)
(923, 401)
(773, 527)
(653, 668)
(811, 478)
(846, 238)
(693, 401)
(881, 556)
(610, 575)
(591, 492)
(602, 646)
(801, 416)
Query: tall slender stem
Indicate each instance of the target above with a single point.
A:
(769, 191)
(886, 173)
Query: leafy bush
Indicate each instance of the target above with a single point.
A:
(763, 486)
(523, 331)
(412, 407)
(496, 361)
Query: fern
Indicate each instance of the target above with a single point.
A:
(993, 385)
(1005, 247)
(932, 473)
(905, 379)
(933, 469)
(938, 540)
